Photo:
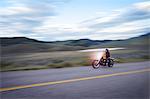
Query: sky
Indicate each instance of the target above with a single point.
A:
(57, 20)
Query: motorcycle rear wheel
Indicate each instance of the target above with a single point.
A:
(110, 63)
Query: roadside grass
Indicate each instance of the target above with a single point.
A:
(52, 65)
(62, 59)
(17, 68)
(130, 55)
(123, 60)
(72, 63)
(124, 51)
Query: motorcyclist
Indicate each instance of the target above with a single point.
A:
(107, 53)
(105, 56)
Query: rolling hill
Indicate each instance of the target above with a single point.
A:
(21, 53)
(26, 45)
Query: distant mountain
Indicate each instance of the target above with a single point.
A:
(136, 42)
(17, 40)
(26, 45)
(23, 40)
(82, 42)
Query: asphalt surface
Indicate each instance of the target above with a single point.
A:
(134, 85)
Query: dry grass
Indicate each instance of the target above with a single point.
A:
(61, 59)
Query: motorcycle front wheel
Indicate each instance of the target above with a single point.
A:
(95, 64)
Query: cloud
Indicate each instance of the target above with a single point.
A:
(34, 19)
(132, 21)
(135, 12)
(21, 16)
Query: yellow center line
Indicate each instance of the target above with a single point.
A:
(71, 80)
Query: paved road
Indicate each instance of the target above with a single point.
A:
(123, 81)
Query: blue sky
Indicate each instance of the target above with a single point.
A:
(51, 20)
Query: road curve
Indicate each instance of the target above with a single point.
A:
(123, 81)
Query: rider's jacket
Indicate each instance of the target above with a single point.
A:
(104, 55)
(107, 54)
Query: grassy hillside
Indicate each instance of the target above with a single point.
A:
(136, 42)
(26, 45)
(26, 54)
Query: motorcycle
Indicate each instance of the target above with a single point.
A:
(103, 62)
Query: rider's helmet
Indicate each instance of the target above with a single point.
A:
(106, 50)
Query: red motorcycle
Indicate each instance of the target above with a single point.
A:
(103, 62)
